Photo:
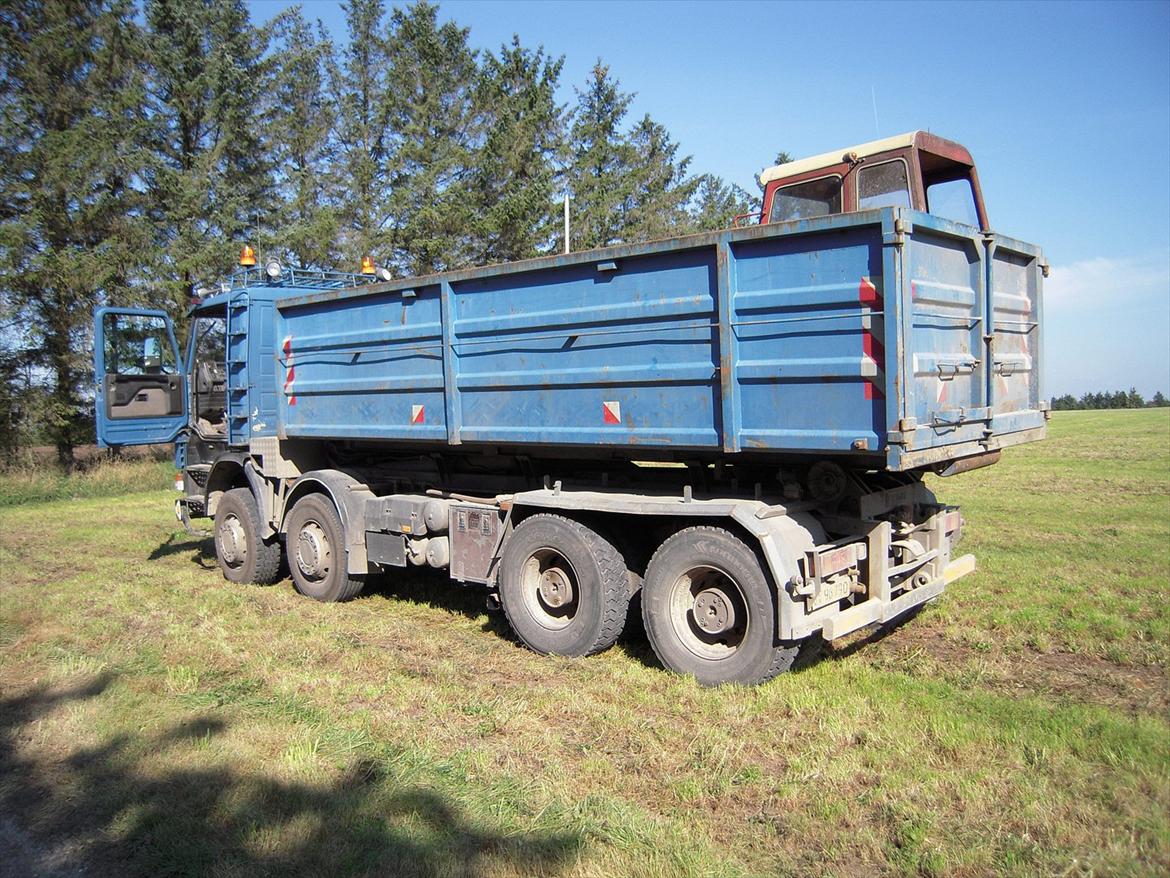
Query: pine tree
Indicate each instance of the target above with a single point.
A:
(436, 130)
(514, 177)
(299, 120)
(211, 185)
(70, 219)
(657, 205)
(716, 204)
(357, 79)
(600, 156)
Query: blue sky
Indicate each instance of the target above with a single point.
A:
(1065, 106)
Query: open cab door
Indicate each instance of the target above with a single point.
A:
(141, 392)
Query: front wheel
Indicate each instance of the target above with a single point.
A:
(242, 555)
(315, 543)
(563, 587)
(709, 612)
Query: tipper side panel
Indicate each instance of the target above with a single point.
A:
(364, 368)
(768, 339)
(594, 354)
(809, 340)
(823, 336)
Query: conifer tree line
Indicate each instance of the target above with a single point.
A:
(1118, 399)
(143, 141)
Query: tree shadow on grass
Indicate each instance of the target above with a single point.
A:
(119, 817)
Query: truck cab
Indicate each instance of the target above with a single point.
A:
(204, 396)
(917, 170)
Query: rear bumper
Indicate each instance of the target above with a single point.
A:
(902, 457)
(875, 611)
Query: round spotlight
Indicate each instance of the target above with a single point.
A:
(273, 269)
(384, 273)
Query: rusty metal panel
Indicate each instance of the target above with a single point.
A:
(943, 293)
(1015, 281)
(809, 340)
(475, 537)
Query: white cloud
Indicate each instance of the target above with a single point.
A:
(1105, 281)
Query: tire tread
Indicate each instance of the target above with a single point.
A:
(266, 564)
(349, 586)
(782, 655)
(615, 585)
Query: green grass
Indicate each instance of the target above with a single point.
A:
(157, 719)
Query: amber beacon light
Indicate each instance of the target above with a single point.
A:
(247, 256)
(367, 265)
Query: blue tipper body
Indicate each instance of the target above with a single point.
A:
(889, 334)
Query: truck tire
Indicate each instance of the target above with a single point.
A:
(242, 555)
(563, 587)
(315, 545)
(708, 610)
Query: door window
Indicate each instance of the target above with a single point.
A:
(138, 344)
(141, 367)
(209, 380)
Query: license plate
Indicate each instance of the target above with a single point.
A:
(831, 591)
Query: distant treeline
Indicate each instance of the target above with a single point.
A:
(1119, 399)
(142, 142)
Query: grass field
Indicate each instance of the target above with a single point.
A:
(155, 719)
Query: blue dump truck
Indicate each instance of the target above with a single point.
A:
(733, 426)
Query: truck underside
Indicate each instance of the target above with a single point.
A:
(789, 551)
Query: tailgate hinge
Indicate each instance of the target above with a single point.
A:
(898, 237)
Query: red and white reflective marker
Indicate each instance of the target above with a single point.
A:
(417, 415)
(611, 412)
(871, 345)
(292, 372)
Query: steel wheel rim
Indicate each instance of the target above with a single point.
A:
(314, 556)
(232, 540)
(708, 613)
(550, 589)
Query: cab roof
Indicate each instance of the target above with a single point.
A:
(257, 283)
(924, 139)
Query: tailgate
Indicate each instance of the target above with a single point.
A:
(969, 316)
(1015, 276)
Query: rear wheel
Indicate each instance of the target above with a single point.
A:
(709, 612)
(563, 587)
(315, 544)
(242, 555)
